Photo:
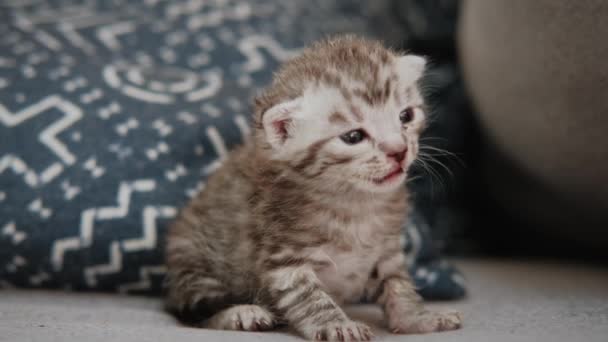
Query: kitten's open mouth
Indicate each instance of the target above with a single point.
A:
(391, 176)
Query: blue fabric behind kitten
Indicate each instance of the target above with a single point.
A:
(111, 113)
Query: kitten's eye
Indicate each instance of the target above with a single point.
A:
(353, 137)
(406, 115)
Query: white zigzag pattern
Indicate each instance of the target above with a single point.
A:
(147, 241)
(144, 282)
(88, 217)
(115, 264)
(149, 236)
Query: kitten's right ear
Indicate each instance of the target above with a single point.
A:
(278, 122)
(411, 67)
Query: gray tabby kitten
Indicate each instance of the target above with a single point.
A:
(307, 214)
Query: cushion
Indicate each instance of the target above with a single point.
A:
(112, 115)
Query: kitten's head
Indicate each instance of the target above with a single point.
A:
(347, 111)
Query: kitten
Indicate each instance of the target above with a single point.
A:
(307, 214)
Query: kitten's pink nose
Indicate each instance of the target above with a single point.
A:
(398, 156)
(395, 150)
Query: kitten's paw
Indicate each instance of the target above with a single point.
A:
(425, 322)
(342, 331)
(242, 317)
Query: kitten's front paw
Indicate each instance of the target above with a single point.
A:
(242, 317)
(424, 321)
(342, 331)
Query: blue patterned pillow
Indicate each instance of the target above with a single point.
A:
(113, 113)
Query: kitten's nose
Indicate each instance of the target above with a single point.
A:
(394, 149)
(398, 156)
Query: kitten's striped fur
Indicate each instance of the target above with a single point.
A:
(297, 222)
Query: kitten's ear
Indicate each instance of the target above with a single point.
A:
(411, 67)
(278, 122)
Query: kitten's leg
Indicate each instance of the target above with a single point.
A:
(194, 296)
(295, 292)
(201, 300)
(402, 306)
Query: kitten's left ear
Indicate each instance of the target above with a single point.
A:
(278, 122)
(411, 67)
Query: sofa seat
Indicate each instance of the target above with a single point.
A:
(508, 301)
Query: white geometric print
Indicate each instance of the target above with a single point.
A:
(108, 35)
(76, 39)
(124, 128)
(154, 152)
(48, 136)
(250, 46)
(19, 167)
(149, 236)
(240, 11)
(218, 143)
(48, 40)
(175, 173)
(146, 242)
(95, 170)
(89, 216)
(39, 278)
(144, 278)
(10, 229)
(162, 127)
(114, 265)
(106, 112)
(37, 207)
(69, 191)
(145, 84)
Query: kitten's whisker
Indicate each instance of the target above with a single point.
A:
(430, 158)
(434, 148)
(434, 176)
(432, 173)
(432, 138)
(434, 154)
(411, 179)
(442, 152)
